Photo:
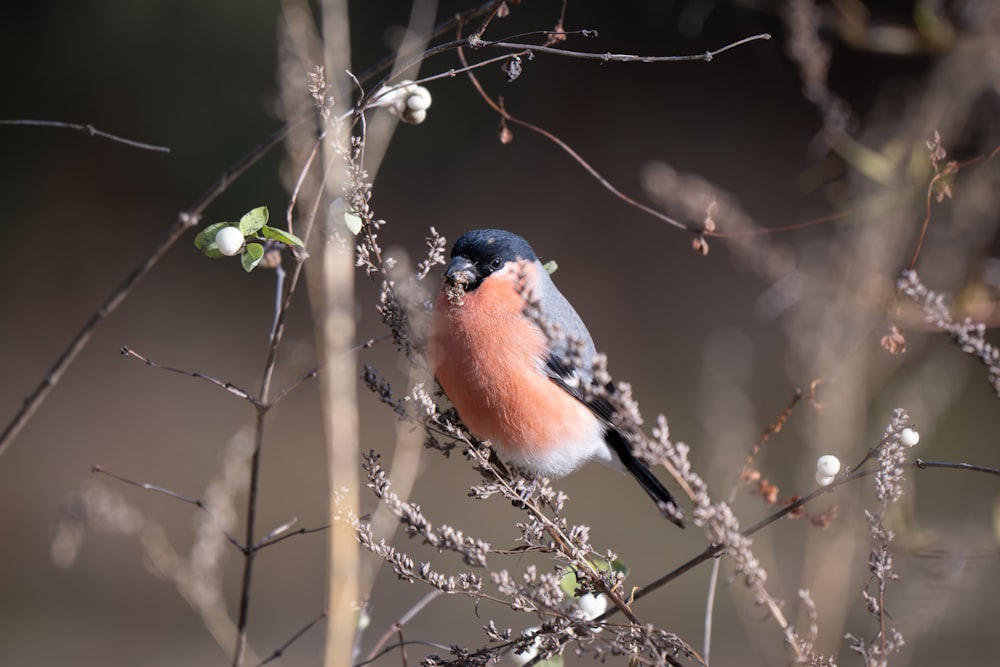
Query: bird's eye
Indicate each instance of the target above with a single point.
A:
(496, 263)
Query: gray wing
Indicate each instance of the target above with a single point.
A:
(572, 334)
(572, 372)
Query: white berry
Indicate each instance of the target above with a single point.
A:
(229, 240)
(406, 99)
(592, 606)
(824, 480)
(415, 116)
(419, 99)
(532, 650)
(909, 437)
(827, 465)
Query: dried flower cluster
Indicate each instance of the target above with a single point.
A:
(888, 489)
(806, 641)
(317, 88)
(970, 336)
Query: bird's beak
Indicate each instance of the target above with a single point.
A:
(460, 271)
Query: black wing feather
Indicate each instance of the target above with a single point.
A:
(566, 377)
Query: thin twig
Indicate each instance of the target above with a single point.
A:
(748, 466)
(295, 384)
(91, 130)
(432, 595)
(923, 465)
(280, 651)
(927, 219)
(128, 352)
(380, 93)
(496, 6)
(707, 56)
(293, 200)
(249, 556)
(292, 386)
(769, 430)
(554, 36)
(408, 642)
(951, 170)
(444, 27)
(527, 49)
(266, 542)
(197, 502)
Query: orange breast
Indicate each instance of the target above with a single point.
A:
(488, 357)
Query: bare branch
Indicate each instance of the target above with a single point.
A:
(418, 606)
(197, 502)
(707, 56)
(89, 129)
(266, 541)
(128, 352)
(280, 651)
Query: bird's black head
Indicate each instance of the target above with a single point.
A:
(479, 253)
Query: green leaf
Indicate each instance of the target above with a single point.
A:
(254, 220)
(550, 267)
(281, 235)
(554, 661)
(205, 241)
(353, 222)
(570, 584)
(251, 256)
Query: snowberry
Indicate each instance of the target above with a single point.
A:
(229, 241)
(406, 99)
(419, 99)
(592, 606)
(909, 437)
(827, 465)
(415, 116)
(532, 650)
(824, 480)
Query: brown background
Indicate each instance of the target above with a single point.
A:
(693, 335)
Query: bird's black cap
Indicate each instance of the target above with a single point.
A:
(479, 253)
(483, 245)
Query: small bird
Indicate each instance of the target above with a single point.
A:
(513, 384)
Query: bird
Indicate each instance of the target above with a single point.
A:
(511, 382)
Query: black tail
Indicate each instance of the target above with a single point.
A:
(646, 479)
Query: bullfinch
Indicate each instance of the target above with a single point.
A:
(512, 383)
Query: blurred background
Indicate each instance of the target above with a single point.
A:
(98, 572)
